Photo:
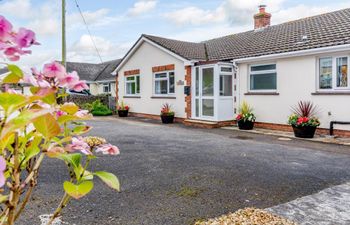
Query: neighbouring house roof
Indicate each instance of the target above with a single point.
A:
(94, 72)
(325, 30)
(106, 74)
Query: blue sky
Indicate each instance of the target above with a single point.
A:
(117, 24)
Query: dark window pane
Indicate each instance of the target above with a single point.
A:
(208, 107)
(225, 85)
(161, 87)
(263, 81)
(208, 82)
(326, 73)
(161, 75)
(130, 78)
(342, 72)
(197, 81)
(226, 69)
(138, 84)
(171, 82)
(263, 67)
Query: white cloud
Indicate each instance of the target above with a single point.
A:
(237, 12)
(142, 6)
(96, 18)
(18, 8)
(196, 16)
(83, 50)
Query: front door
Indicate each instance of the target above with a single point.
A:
(204, 100)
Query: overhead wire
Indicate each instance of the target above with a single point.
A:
(88, 29)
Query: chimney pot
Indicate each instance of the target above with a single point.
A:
(262, 19)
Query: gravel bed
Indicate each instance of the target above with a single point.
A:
(248, 216)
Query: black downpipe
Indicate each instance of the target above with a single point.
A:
(331, 127)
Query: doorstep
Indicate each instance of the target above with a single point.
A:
(284, 135)
(201, 123)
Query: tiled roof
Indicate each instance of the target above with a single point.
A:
(94, 72)
(330, 29)
(106, 74)
(188, 50)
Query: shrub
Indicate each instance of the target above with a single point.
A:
(98, 109)
(166, 110)
(245, 113)
(304, 114)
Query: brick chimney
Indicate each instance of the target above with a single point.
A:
(262, 19)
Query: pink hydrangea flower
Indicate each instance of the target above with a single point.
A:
(69, 79)
(108, 149)
(60, 113)
(25, 38)
(54, 70)
(78, 86)
(82, 113)
(2, 170)
(5, 29)
(78, 144)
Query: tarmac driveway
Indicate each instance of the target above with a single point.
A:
(175, 175)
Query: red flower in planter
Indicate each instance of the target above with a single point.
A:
(302, 120)
(126, 107)
(239, 117)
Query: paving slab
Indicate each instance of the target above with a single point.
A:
(328, 207)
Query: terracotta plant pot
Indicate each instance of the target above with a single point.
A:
(304, 132)
(123, 113)
(245, 125)
(166, 119)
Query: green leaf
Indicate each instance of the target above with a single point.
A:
(11, 102)
(83, 174)
(3, 198)
(78, 130)
(23, 119)
(73, 159)
(47, 126)
(67, 118)
(78, 191)
(70, 108)
(15, 75)
(33, 149)
(110, 179)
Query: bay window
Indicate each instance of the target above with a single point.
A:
(132, 84)
(164, 83)
(333, 73)
(263, 77)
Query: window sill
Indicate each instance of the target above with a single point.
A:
(331, 93)
(129, 96)
(262, 93)
(163, 97)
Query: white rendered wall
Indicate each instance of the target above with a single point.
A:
(146, 57)
(296, 80)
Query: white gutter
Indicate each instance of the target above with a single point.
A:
(314, 51)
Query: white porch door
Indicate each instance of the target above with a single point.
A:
(204, 95)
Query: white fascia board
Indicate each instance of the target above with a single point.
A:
(105, 81)
(307, 52)
(139, 43)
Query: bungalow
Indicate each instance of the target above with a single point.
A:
(98, 76)
(270, 67)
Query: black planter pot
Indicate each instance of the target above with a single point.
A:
(123, 113)
(167, 118)
(245, 125)
(304, 132)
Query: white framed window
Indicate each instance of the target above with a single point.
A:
(106, 87)
(225, 81)
(132, 85)
(262, 77)
(333, 73)
(164, 83)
